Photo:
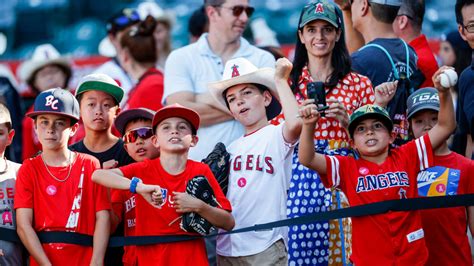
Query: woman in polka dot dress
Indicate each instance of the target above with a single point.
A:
(321, 56)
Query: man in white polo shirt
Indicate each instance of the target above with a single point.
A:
(190, 68)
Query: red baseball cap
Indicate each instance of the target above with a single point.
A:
(177, 110)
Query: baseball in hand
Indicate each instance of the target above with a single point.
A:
(448, 78)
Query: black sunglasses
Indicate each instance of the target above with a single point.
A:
(133, 135)
(237, 10)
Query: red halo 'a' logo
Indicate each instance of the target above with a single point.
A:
(319, 8)
(235, 71)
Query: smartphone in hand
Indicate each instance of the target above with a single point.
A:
(316, 91)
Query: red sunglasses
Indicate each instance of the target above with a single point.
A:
(142, 132)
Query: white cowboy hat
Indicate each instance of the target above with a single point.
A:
(241, 71)
(44, 54)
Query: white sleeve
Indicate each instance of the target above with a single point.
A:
(285, 148)
(177, 75)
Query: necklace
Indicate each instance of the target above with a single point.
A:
(6, 166)
(54, 177)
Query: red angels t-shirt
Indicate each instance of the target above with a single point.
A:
(62, 206)
(123, 205)
(445, 229)
(165, 220)
(393, 238)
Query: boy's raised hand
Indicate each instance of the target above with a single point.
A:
(437, 79)
(183, 202)
(151, 193)
(308, 112)
(283, 68)
(384, 93)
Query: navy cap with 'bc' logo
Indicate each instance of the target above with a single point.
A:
(56, 101)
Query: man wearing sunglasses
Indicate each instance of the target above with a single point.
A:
(190, 68)
(110, 47)
(465, 108)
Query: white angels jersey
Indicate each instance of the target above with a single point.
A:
(258, 183)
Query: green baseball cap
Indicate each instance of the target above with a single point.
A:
(322, 10)
(369, 111)
(100, 82)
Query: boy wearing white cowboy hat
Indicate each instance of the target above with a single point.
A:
(260, 160)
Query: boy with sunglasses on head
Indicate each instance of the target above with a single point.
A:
(135, 127)
(161, 183)
(10, 253)
(450, 175)
(380, 174)
(54, 190)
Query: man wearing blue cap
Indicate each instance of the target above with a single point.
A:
(54, 190)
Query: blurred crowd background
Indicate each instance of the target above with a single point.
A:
(76, 27)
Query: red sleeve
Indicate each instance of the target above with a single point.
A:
(101, 194)
(24, 187)
(334, 171)
(132, 169)
(223, 201)
(418, 152)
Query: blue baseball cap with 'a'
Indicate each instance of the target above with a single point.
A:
(56, 101)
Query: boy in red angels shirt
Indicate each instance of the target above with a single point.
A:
(54, 190)
(381, 174)
(445, 229)
(161, 184)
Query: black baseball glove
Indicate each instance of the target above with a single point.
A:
(200, 188)
(219, 162)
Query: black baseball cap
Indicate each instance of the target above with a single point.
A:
(124, 117)
(126, 17)
(56, 101)
(422, 99)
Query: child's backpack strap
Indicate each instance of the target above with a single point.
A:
(395, 71)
